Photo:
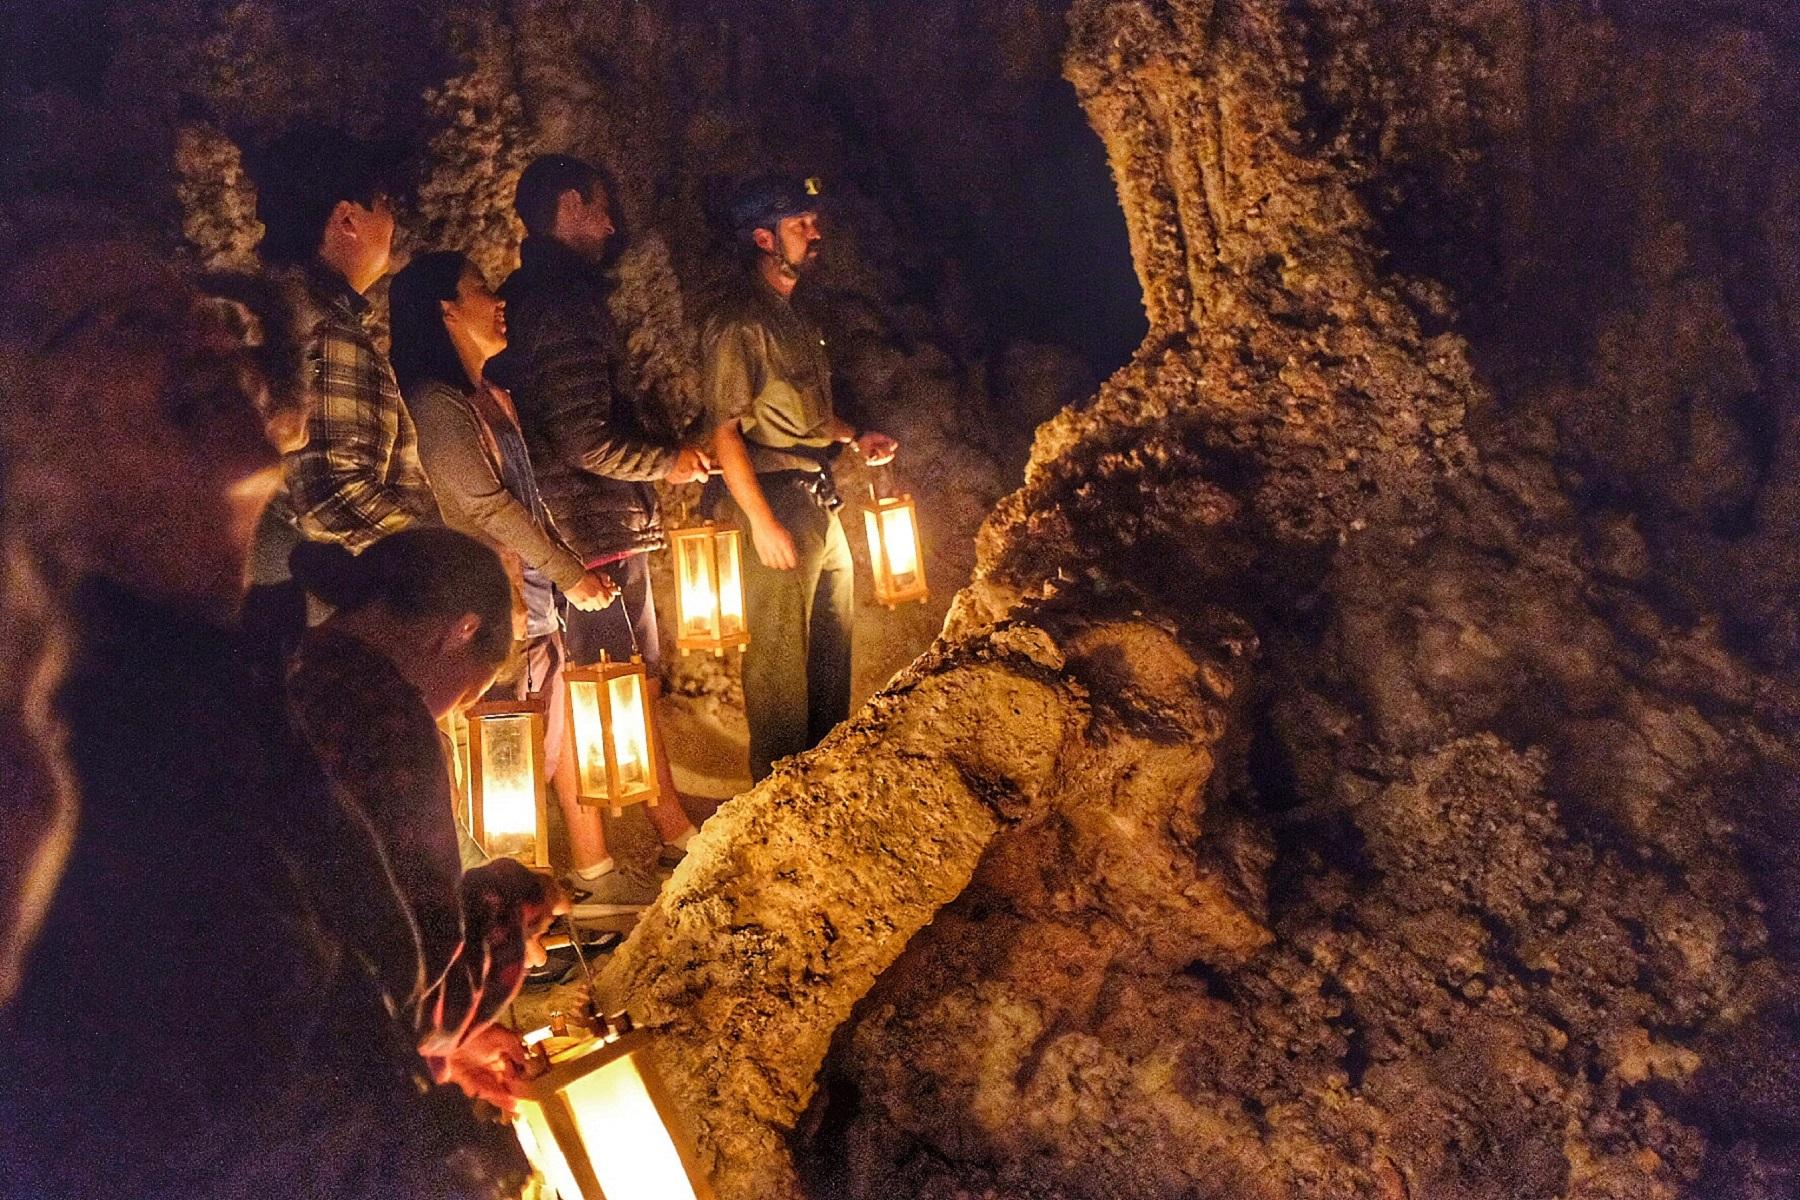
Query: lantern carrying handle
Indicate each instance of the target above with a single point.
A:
(630, 629)
(587, 973)
(881, 481)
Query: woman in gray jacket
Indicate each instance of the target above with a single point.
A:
(447, 324)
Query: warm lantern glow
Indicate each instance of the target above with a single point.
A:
(709, 589)
(598, 1125)
(614, 745)
(894, 552)
(506, 780)
(630, 731)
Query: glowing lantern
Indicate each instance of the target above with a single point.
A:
(615, 751)
(506, 780)
(597, 1122)
(894, 551)
(709, 589)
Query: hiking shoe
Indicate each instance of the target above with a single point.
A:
(616, 893)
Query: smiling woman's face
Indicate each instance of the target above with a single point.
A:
(478, 312)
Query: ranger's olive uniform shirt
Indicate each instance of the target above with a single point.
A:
(766, 367)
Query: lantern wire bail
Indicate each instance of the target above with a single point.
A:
(630, 630)
(587, 973)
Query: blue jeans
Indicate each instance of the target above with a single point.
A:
(625, 627)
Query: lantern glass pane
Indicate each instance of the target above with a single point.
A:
(508, 785)
(694, 585)
(630, 731)
(877, 560)
(902, 541)
(590, 737)
(731, 583)
(627, 1143)
(539, 1144)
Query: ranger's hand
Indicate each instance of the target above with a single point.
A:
(691, 465)
(774, 545)
(595, 591)
(878, 449)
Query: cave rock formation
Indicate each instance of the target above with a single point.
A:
(1363, 764)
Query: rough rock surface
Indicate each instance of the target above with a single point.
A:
(1475, 878)
(1364, 762)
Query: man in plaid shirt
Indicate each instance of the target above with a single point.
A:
(323, 200)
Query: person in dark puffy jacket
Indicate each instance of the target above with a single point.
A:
(593, 458)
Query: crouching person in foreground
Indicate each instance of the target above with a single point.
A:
(190, 920)
(421, 625)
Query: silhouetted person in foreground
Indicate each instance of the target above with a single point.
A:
(202, 1012)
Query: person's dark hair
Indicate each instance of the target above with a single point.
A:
(303, 174)
(543, 183)
(422, 350)
(415, 573)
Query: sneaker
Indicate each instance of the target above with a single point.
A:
(616, 893)
(559, 967)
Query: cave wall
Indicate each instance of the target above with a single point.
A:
(137, 116)
(1420, 822)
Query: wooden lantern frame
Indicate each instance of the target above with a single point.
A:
(546, 1111)
(887, 591)
(534, 710)
(600, 677)
(717, 539)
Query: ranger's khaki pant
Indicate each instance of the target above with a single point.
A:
(797, 665)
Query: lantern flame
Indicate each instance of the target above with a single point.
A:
(630, 730)
(590, 736)
(509, 785)
(698, 588)
(709, 589)
(902, 542)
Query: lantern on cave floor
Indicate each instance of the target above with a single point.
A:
(709, 589)
(615, 749)
(895, 556)
(506, 780)
(597, 1122)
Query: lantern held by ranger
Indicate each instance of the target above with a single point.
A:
(709, 588)
(896, 558)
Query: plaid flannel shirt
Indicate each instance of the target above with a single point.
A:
(358, 477)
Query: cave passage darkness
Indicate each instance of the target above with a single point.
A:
(1048, 258)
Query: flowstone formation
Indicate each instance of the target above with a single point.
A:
(1349, 773)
